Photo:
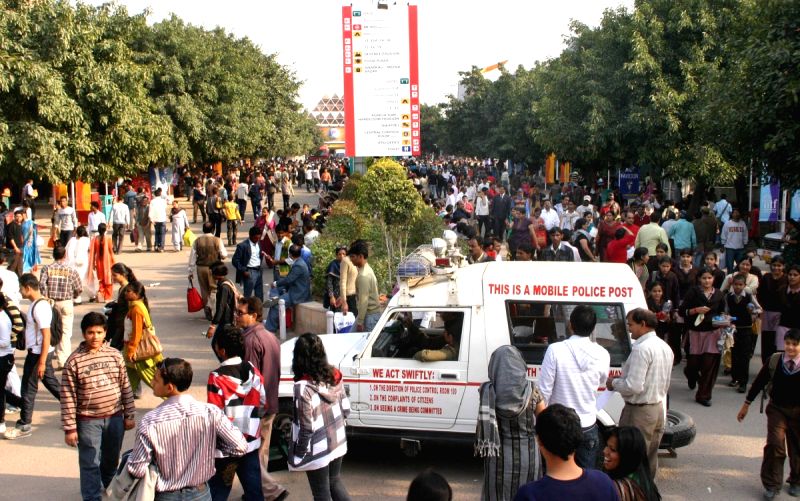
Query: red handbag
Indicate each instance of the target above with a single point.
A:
(194, 302)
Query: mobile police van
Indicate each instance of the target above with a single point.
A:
(394, 394)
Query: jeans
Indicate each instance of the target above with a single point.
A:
(285, 201)
(371, 320)
(256, 203)
(99, 443)
(6, 365)
(216, 219)
(118, 236)
(254, 283)
(161, 230)
(586, 454)
(30, 385)
(326, 483)
(64, 236)
(732, 258)
(272, 323)
(232, 224)
(242, 203)
(201, 493)
(247, 468)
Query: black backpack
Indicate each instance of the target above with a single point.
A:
(56, 324)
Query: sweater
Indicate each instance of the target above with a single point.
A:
(94, 386)
(785, 390)
(734, 234)
(318, 425)
(237, 388)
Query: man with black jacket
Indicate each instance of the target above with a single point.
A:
(14, 242)
(226, 300)
(501, 208)
(247, 261)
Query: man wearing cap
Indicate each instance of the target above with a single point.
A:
(586, 206)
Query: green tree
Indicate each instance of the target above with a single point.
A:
(389, 197)
(753, 102)
(72, 104)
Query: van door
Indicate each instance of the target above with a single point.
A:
(409, 375)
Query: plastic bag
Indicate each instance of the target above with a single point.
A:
(188, 237)
(343, 323)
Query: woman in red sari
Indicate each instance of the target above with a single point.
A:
(101, 258)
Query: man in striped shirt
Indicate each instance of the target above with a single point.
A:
(96, 406)
(180, 437)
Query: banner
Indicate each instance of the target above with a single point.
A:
(629, 183)
(794, 213)
(770, 200)
(563, 174)
(381, 80)
(550, 169)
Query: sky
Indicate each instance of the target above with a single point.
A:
(453, 35)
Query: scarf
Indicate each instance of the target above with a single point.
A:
(507, 391)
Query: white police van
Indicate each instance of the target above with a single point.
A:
(525, 304)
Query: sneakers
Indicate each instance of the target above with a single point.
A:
(15, 433)
(11, 409)
(2, 427)
(770, 494)
(794, 490)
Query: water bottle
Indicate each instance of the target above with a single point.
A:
(667, 306)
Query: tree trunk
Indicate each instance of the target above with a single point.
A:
(698, 198)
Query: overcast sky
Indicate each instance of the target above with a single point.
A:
(453, 35)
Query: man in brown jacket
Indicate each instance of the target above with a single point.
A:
(206, 250)
(263, 351)
(705, 227)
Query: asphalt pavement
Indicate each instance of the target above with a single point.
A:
(722, 463)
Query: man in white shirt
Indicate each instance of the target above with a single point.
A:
(10, 282)
(158, 215)
(120, 220)
(586, 206)
(723, 209)
(549, 215)
(572, 370)
(95, 218)
(66, 220)
(39, 359)
(644, 382)
(242, 189)
(568, 217)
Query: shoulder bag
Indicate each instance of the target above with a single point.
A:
(149, 346)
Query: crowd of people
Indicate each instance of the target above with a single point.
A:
(538, 440)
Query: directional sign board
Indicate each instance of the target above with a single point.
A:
(381, 80)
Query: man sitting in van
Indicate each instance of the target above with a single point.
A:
(428, 348)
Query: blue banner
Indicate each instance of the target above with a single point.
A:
(770, 201)
(795, 211)
(629, 183)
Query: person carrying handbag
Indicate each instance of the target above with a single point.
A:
(142, 350)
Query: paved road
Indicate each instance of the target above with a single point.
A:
(722, 463)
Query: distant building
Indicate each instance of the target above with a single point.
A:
(329, 117)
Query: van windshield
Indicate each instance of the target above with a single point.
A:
(535, 325)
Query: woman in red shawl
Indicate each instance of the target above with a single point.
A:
(101, 258)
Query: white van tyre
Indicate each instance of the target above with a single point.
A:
(680, 430)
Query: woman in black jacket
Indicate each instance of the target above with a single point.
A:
(700, 305)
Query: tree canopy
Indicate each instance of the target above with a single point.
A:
(693, 89)
(93, 93)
